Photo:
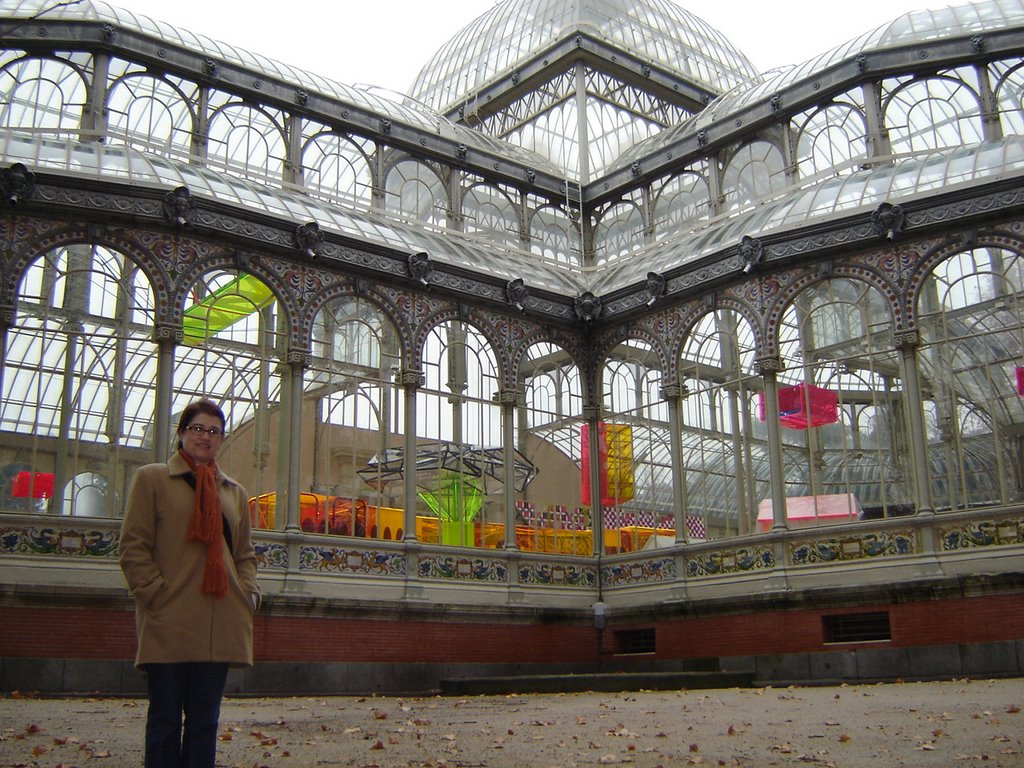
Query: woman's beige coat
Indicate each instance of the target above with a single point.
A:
(175, 621)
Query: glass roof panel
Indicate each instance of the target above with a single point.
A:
(917, 26)
(831, 198)
(446, 246)
(375, 100)
(514, 30)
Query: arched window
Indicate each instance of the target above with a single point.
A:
(232, 341)
(619, 232)
(456, 418)
(725, 462)
(634, 463)
(355, 414)
(931, 113)
(681, 203)
(845, 426)
(79, 374)
(414, 191)
(338, 168)
(548, 510)
(247, 141)
(152, 114)
(1009, 91)
(972, 321)
(488, 211)
(555, 236)
(754, 173)
(42, 95)
(830, 139)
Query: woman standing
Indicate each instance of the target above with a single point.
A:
(188, 558)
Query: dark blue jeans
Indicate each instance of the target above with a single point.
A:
(189, 690)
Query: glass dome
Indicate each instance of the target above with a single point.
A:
(514, 30)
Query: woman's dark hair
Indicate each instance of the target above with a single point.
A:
(208, 407)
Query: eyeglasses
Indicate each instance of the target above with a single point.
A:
(199, 430)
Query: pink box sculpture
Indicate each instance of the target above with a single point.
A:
(802, 406)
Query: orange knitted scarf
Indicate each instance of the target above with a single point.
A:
(207, 527)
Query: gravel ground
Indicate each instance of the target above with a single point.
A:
(958, 724)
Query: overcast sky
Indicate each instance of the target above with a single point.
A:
(385, 43)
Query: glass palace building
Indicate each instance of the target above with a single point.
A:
(599, 350)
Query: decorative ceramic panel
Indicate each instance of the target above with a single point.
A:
(336, 560)
(271, 556)
(51, 541)
(462, 568)
(558, 575)
(639, 572)
(720, 562)
(983, 533)
(864, 546)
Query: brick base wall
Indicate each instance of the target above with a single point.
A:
(95, 633)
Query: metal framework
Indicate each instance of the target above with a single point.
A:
(605, 217)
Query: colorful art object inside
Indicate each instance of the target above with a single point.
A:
(34, 485)
(614, 463)
(456, 501)
(225, 307)
(1019, 376)
(452, 479)
(802, 406)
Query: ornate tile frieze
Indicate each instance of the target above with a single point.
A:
(558, 575)
(854, 547)
(639, 572)
(726, 561)
(271, 556)
(982, 533)
(462, 568)
(338, 560)
(68, 542)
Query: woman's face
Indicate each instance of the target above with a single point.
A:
(198, 441)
